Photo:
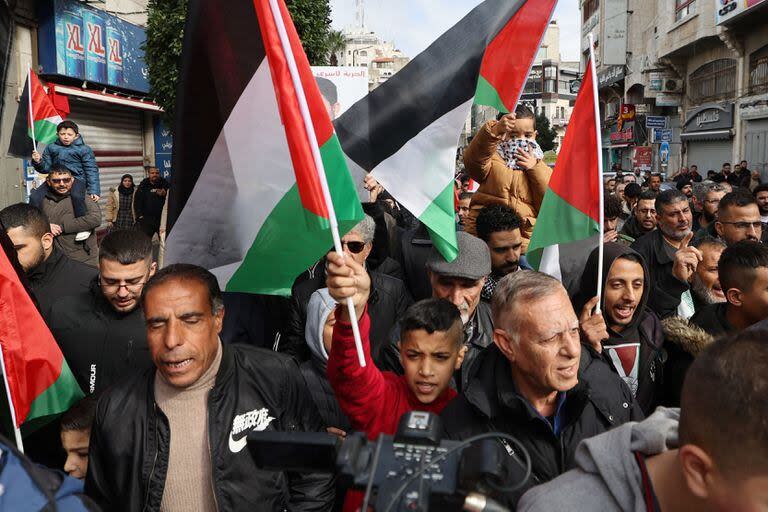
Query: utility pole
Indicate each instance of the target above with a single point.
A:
(360, 13)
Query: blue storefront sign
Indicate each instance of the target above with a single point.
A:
(163, 149)
(81, 42)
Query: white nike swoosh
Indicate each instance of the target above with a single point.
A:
(237, 446)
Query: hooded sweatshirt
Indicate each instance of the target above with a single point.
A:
(607, 475)
(635, 352)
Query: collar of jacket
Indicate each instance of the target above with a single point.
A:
(479, 329)
(658, 247)
(493, 393)
(47, 268)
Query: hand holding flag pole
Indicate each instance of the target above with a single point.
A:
(309, 125)
(31, 111)
(599, 171)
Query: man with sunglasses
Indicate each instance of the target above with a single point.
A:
(388, 300)
(101, 331)
(74, 235)
(738, 218)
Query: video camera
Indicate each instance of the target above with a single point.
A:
(415, 470)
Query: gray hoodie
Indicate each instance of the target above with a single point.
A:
(320, 306)
(607, 476)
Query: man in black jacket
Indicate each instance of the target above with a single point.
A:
(149, 202)
(101, 331)
(389, 298)
(50, 272)
(667, 254)
(174, 437)
(643, 218)
(538, 382)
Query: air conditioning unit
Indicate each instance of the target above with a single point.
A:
(672, 85)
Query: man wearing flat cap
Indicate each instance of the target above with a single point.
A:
(461, 282)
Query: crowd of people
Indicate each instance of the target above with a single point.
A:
(177, 373)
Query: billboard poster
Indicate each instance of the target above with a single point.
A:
(341, 87)
(728, 9)
(642, 158)
(85, 43)
(163, 149)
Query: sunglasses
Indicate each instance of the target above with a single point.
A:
(57, 181)
(354, 247)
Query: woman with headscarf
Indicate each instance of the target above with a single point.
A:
(120, 213)
(635, 336)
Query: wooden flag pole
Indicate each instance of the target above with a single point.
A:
(16, 429)
(310, 127)
(599, 139)
(31, 112)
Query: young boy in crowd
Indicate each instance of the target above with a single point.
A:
(431, 349)
(75, 435)
(505, 159)
(69, 151)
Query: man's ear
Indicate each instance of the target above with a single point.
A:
(698, 470)
(218, 320)
(735, 297)
(460, 359)
(152, 268)
(505, 343)
(47, 241)
(719, 228)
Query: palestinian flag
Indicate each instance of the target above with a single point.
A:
(406, 131)
(246, 200)
(44, 120)
(570, 211)
(38, 380)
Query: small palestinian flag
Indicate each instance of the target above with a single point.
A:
(406, 131)
(44, 116)
(570, 211)
(247, 200)
(38, 379)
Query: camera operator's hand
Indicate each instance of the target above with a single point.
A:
(347, 278)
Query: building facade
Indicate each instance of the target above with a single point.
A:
(366, 49)
(91, 55)
(693, 84)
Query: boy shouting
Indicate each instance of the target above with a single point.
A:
(431, 349)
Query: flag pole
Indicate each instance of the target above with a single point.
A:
(305, 114)
(31, 112)
(16, 430)
(600, 192)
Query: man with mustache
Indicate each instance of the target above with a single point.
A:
(705, 282)
(460, 282)
(738, 218)
(669, 259)
(499, 227)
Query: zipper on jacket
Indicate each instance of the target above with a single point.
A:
(154, 460)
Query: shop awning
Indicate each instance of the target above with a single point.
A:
(710, 135)
(617, 146)
(108, 98)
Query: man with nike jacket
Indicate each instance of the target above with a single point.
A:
(173, 438)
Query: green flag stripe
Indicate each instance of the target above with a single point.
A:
(45, 131)
(440, 213)
(487, 95)
(58, 397)
(290, 240)
(558, 223)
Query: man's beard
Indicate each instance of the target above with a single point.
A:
(509, 268)
(464, 312)
(674, 234)
(710, 217)
(700, 290)
(37, 262)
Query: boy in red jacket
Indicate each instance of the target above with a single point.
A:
(431, 349)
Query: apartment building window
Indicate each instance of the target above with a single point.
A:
(714, 80)
(533, 86)
(684, 8)
(589, 8)
(758, 71)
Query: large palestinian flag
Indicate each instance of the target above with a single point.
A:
(406, 131)
(246, 200)
(38, 380)
(42, 124)
(570, 211)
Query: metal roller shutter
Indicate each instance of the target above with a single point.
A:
(757, 147)
(709, 155)
(116, 136)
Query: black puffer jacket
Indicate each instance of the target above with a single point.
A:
(599, 402)
(314, 373)
(99, 344)
(388, 301)
(58, 276)
(255, 390)
(683, 342)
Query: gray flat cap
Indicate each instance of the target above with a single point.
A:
(473, 261)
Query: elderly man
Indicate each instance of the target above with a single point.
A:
(738, 218)
(666, 253)
(461, 282)
(705, 282)
(388, 299)
(74, 235)
(173, 438)
(538, 382)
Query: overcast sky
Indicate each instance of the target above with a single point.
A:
(414, 24)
